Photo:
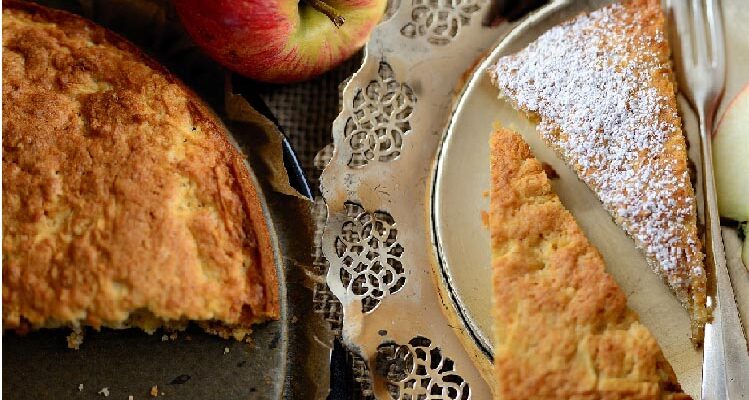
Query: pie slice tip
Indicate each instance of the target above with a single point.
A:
(562, 323)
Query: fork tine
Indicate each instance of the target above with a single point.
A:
(715, 24)
(699, 30)
(683, 31)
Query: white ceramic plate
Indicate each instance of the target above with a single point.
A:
(462, 239)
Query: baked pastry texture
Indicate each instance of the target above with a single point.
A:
(601, 88)
(124, 203)
(562, 323)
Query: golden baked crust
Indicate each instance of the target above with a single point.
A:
(563, 327)
(601, 86)
(124, 203)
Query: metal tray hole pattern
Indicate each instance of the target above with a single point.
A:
(419, 370)
(380, 120)
(370, 254)
(439, 21)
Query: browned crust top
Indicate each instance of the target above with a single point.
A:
(121, 191)
(562, 323)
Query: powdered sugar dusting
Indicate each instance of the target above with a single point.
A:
(590, 86)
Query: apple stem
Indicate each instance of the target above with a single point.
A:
(329, 12)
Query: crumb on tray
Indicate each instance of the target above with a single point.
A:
(104, 391)
(75, 338)
(485, 218)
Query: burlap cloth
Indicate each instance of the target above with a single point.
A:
(305, 112)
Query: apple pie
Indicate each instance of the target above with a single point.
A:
(124, 202)
(562, 323)
(601, 89)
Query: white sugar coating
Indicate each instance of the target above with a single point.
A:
(591, 87)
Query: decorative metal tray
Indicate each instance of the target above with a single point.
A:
(407, 251)
(377, 236)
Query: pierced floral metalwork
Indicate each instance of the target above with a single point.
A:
(419, 370)
(370, 254)
(380, 120)
(439, 21)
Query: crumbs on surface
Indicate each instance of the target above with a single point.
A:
(75, 339)
(485, 219)
(154, 391)
(104, 392)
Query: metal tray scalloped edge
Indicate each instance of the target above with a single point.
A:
(386, 137)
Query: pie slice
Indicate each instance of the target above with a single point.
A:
(124, 203)
(601, 88)
(563, 327)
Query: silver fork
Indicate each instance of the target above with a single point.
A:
(699, 28)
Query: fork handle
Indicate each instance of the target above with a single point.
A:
(725, 344)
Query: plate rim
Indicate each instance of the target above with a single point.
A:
(473, 334)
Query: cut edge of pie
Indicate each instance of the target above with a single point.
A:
(562, 325)
(602, 90)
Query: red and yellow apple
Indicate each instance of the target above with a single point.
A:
(731, 161)
(731, 158)
(280, 41)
